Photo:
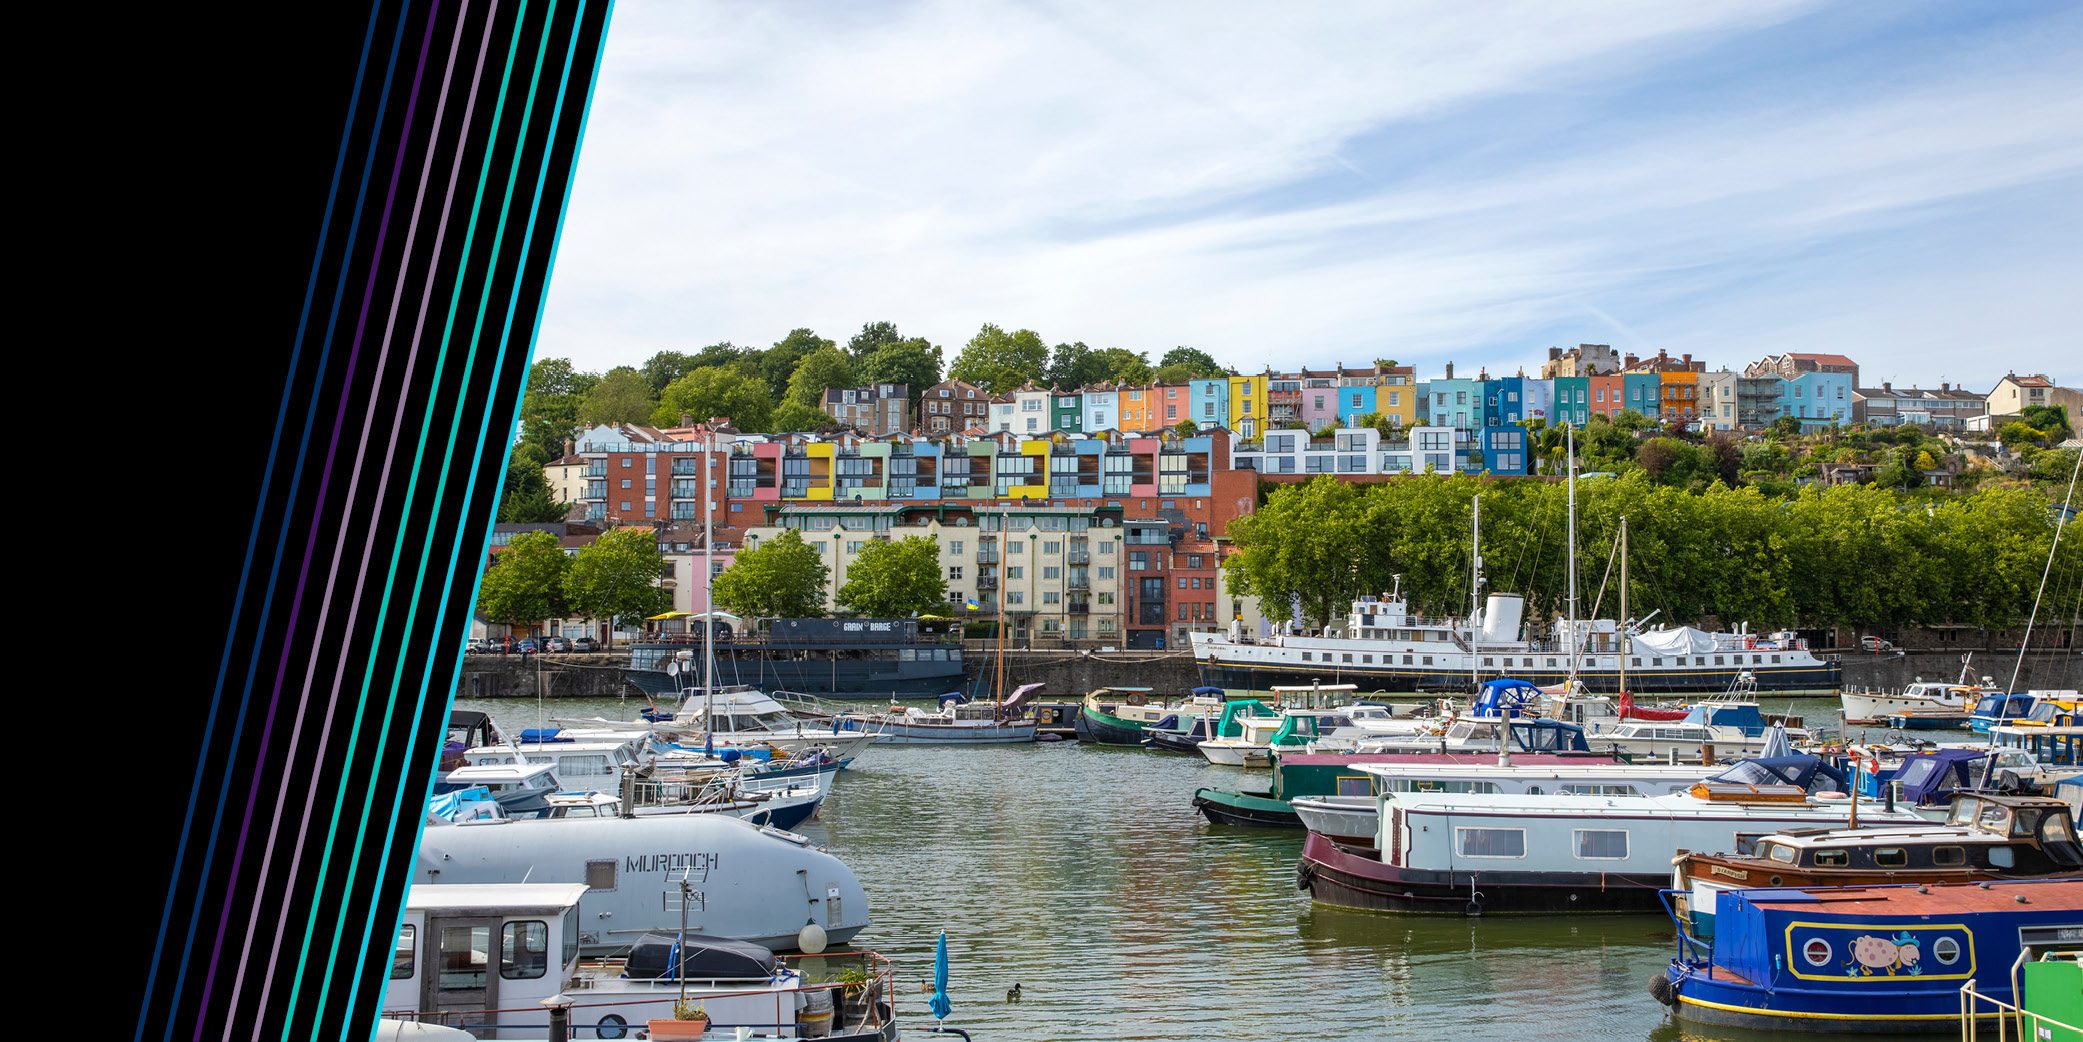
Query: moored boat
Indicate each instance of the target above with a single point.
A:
(958, 721)
(1118, 715)
(1474, 854)
(1889, 959)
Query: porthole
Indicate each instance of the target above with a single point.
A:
(1775, 880)
(1946, 950)
(1816, 951)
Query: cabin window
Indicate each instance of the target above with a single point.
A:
(1717, 660)
(1345, 658)
(1637, 661)
(1349, 785)
(2057, 830)
(1746, 842)
(1891, 857)
(1654, 662)
(1406, 660)
(524, 950)
(2025, 822)
(600, 875)
(1428, 659)
(1943, 856)
(1601, 844)
(1832, 858)
(1551, 663)
(1781, 853)
(1366, 660)
(1491, 842)
(1488, 662)
(403, 953)
(1589, 789)
(2002, 857)
(1305, 656)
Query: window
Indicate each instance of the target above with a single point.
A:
(1491, 842)
(625, 482)
(1015, 571)
(1601, 844)
(954, 573)
(1891, 857)
(403, 952)
(524, 950)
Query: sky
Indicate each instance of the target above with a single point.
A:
(1310, 185)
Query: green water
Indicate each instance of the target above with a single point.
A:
(1084, 875)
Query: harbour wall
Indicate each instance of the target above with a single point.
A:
(1069, 673)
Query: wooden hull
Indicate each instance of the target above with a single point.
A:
(1106, 729)
(1351, 877)
(1246, 809)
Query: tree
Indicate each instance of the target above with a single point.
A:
(524, 584)
(2016, 433)
(622, 396)
(1072, 366)
(998, 361)
(873, 337)
(2052, 421)
(616, 577)
(1125, 366)
(1186, 428)
(779, 363)
(550, 406)
(1202, 364)
(782, 578)
(819, 371)
(794, 416)
(914, 363)
(526, 498)
(716, 391)
(895, 579)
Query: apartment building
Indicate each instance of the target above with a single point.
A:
(951, 407)
(876, 409)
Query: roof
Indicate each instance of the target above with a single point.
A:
(514, 897)
(1932, 899)
(1824, 359)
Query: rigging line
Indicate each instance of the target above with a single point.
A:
(2052, 552)
(1611, 555)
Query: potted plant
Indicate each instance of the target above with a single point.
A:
(855, 986)
(690, 1022)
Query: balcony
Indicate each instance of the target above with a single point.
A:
(687, 468)
(987, 582)
(1078, 557)
(1078, 584)
(1078, 608)
(597, 470)
(984, 556)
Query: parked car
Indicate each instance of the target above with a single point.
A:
(556, 644)
(480, 646)
(584, 644)
(526, 646)
(1875, 644)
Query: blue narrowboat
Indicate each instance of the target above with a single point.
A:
(1867, 959)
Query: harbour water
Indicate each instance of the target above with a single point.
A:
(1084, 875)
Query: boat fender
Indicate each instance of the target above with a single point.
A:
(1475, 908)
(1660, 989)
(1304, 872)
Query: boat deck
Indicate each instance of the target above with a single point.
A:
(1955, 899)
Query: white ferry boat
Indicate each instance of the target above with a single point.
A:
(1383, 647)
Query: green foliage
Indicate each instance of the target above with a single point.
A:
(621, 396)
(2017, 433)
(1786, 427)
(1862, 555)
(873, 337)
(550, 405)
(895, 579)
(1172, 374)
(2054, 465)
(525, 582)
(999, 361)
(1072, 366)
(795, 416)
(1125, 366)
(1200, 363)
(1632, 421)
(616, 577)
(778, 364)
(526, 497)
(2052, 421)
(819, 371)
(782, 578)
(914, 362)
(1186, 428)
(666, 366)
(716, 391)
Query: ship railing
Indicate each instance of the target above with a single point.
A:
(1678, 905)
(2011, 1021)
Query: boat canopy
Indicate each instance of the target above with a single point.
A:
(1548, 736)
(1206, 691)
(1928, 779)
(1228, 727)
(1504, 697)
(1742, 715)
(1683, 640)
(1810, 773)
(657, 956)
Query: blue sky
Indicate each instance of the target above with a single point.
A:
(1430, 182)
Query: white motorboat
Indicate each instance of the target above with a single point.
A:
(744, 717)
(1960, 696)
(1258, 736)
(751, 882)
(956, 722)
(468, 956)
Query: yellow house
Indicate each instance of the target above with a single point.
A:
(1248, 406)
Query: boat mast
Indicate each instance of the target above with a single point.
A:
(709, 573)
(2035, 616)
(1475, 588)
(1569, 687)
(1626, 625)
(1005, 536)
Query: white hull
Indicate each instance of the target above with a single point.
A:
(1347, 818)
(957, 734)
(1875, 709)
(1226, 754)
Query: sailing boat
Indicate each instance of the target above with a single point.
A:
(960, 720)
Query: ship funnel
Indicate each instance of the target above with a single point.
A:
(1501, 617)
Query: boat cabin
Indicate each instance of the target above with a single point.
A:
(580, 764)
(462, 949)
(1998, 708)
(2048, 746)
(521, 789)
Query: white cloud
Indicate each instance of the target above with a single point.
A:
(1143, 177)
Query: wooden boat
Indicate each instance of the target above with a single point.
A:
(1986, 837)
(1118, 715)
(1888, 959)
(957, 722)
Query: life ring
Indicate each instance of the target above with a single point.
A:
(1138, 699)
(1474, 908)
(1833, 796)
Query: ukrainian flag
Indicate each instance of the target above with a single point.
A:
(972, 605)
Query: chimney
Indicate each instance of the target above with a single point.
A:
(1450, 370)
(1886, 386)
(686, 420)
(1554, 354)
(1688, 361)
(1943, 386)
(1628, 360)
(568, 447)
